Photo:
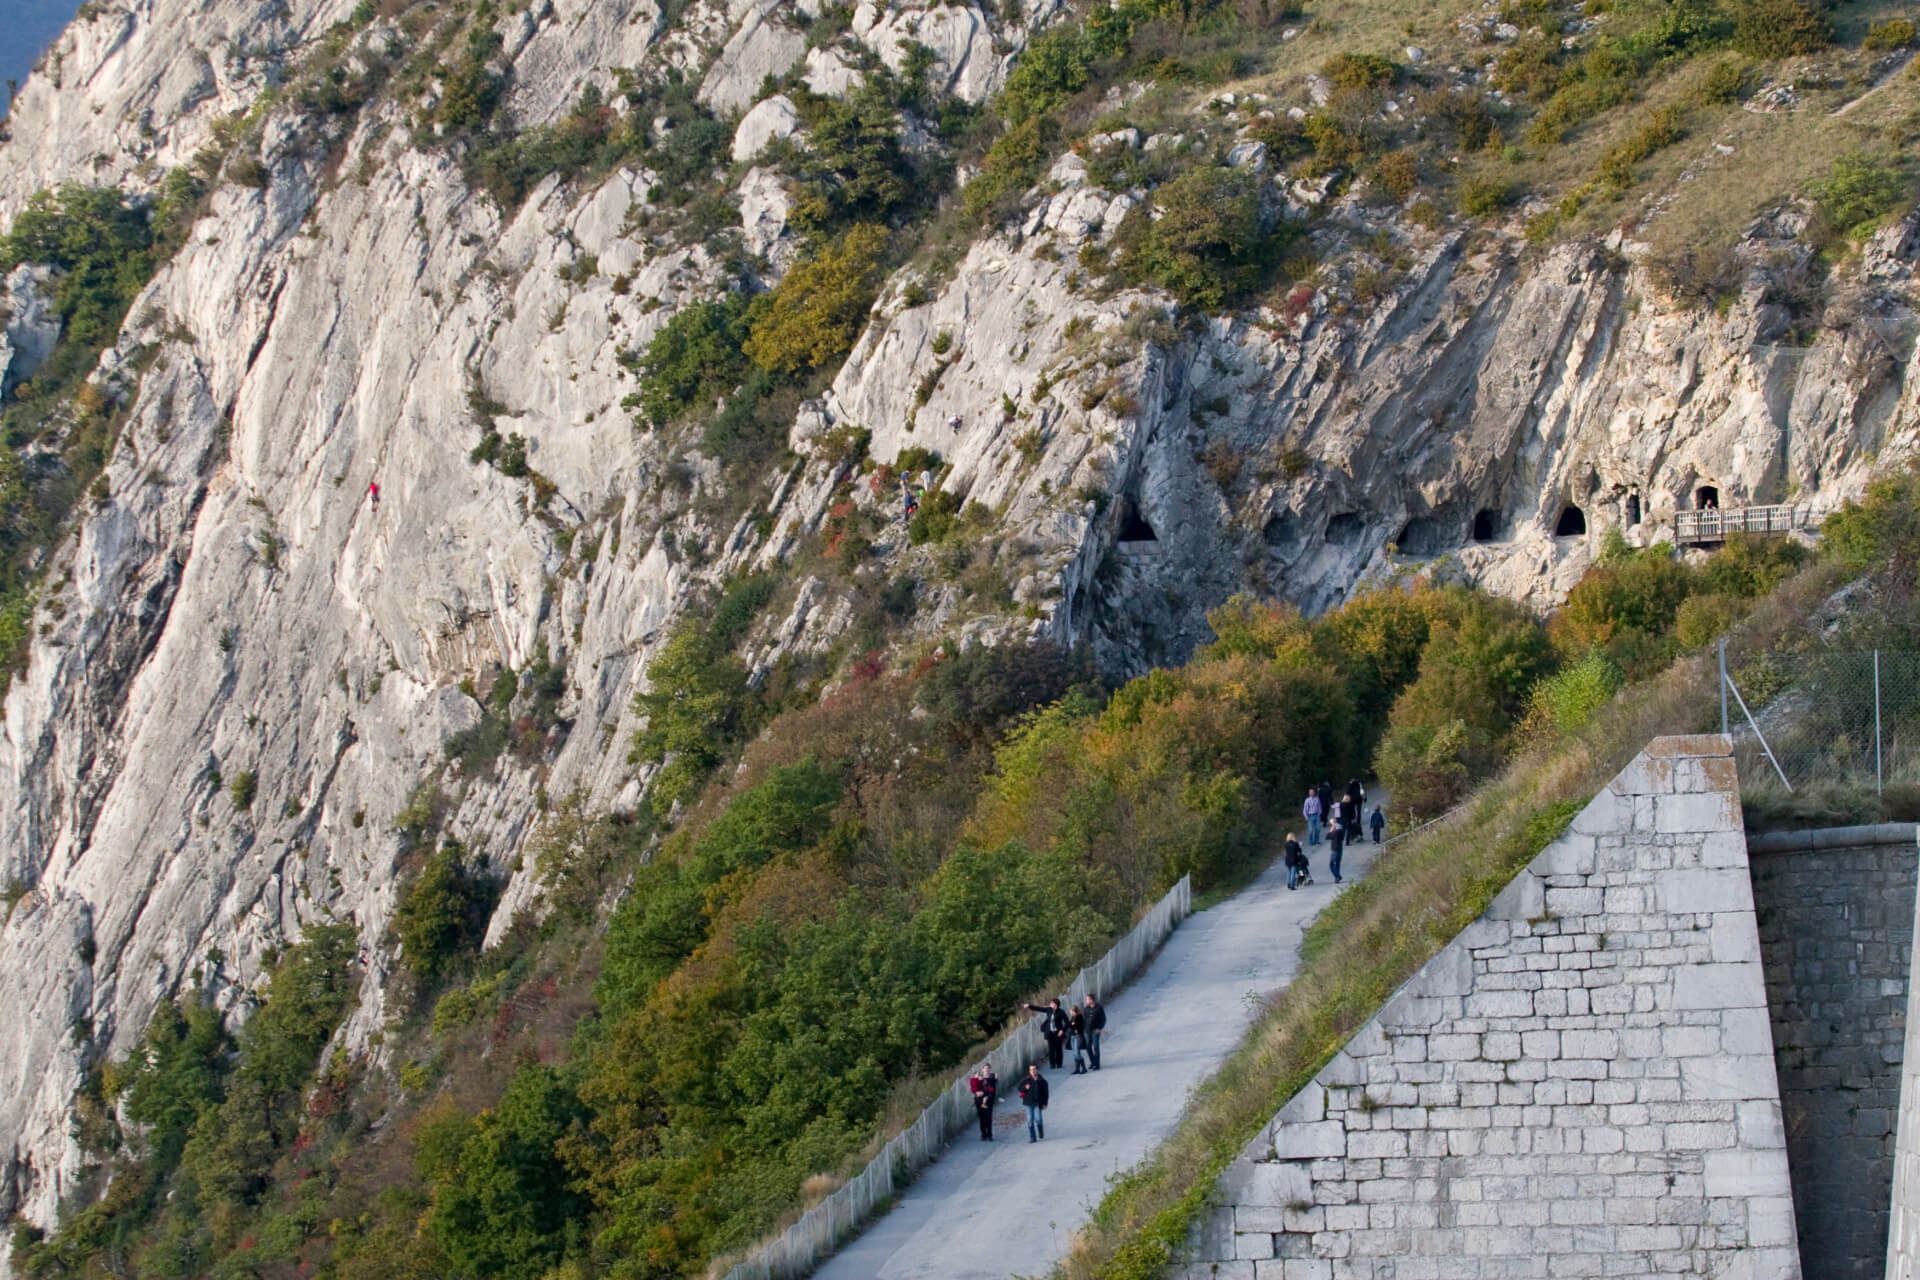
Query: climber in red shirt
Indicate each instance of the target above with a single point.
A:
(373, 493)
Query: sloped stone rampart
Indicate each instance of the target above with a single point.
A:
(1582, 1083)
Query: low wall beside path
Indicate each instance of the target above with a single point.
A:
(803, 1246)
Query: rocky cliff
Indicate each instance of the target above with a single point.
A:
(233, 602)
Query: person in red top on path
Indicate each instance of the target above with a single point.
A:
(373, 493)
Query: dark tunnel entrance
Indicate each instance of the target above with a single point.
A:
(1133, 525)
(1573, 523)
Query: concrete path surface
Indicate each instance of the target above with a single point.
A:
(989, 1211)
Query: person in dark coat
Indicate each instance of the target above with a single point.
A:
(1337, 843)
(1350, 818)
(1077, 1040)
(1378, 823)
(986, 1091)
(1094, 1016)
(1053, 1029)
(1326, 802)
(1033, 1095)
(1296, 860)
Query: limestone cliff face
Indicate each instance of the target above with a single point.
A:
(234, 602)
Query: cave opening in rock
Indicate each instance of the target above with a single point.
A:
(1706, 498)
(1345, 528)
(1422, 536)
(1077, 614)
(1486, 526)
(1134, 526)
(1633, 509)
(1573, 523)
(1280, 531)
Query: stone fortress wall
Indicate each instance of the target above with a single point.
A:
(1836, 915)
(1581, 1083)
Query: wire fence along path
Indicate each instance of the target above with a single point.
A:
(822, 1228)
(1849, 717)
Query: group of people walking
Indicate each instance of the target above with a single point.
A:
(1345, 819)
(1077, 1029)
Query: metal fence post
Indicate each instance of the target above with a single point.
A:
(1723, 687)
(1879, 774)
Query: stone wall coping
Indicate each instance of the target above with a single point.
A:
(1833, 838)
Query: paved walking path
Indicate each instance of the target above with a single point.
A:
(988, 1211)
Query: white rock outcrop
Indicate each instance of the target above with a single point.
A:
(29, 325)
(768, 119)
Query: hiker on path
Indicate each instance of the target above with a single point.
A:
(1378, 822)
(986, 1091)
(1077, 1040)
(1296, 860)
(1311, 812)
(1053, 1028)
(1095, 1017)
(1337, 842)
(1350, 814)
(1033, 1095)
(911, 498)
(1325, 795)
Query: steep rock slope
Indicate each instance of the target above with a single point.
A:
(233, 603)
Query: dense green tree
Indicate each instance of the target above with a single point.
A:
(694, 360)
(1203, 241)
(505, 1205)
(99, 242)
(442, 914)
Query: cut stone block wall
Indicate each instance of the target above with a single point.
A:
(1836, 942)
(1903, 1234)
(1581, 1083)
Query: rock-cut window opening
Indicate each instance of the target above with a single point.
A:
(1633, 509)
(1486, 526)
(1706, 498)
(1573, 523)
(1134, 526)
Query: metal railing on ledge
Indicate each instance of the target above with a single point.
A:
(821, 1229)
(1691, 528)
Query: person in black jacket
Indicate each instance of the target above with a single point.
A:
(1053, 1028)
(1033, 1094)
(1337, 842)
(1077, 1040)
(986, 1091)
(1296, 863)
(1094, 1016)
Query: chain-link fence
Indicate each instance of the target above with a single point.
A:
(802, 1247)
(1823, 725)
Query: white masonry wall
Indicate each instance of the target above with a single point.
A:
(1581, 1084)
(1903, 1234)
